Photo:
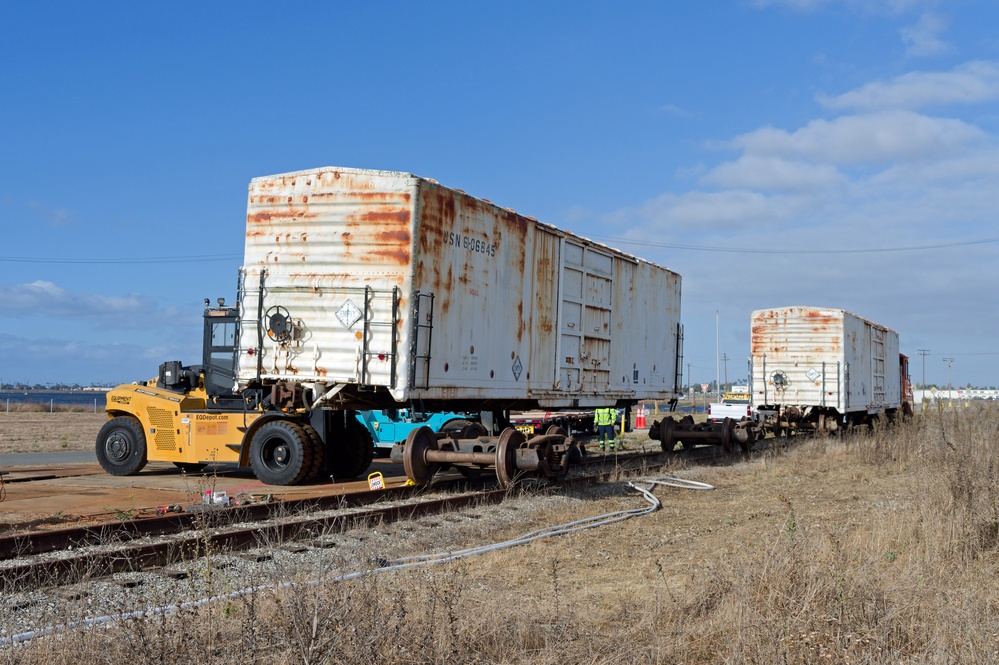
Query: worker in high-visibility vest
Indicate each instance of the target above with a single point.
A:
(604, 418)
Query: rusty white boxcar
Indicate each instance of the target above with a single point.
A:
(818, 367)
(369, 289)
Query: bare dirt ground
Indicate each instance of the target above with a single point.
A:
(43, 432)
(879, 547)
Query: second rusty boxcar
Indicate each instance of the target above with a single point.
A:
(820, 367)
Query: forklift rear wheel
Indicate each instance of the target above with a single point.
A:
(121, 446)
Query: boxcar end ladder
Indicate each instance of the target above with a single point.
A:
(422, 330)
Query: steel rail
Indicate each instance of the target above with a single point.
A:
(208, 536)
(52, 540)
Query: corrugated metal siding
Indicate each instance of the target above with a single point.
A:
(647, 300)
(323, 237)
(829, 357)
(541, 373)
(473, 257)
(490, 304)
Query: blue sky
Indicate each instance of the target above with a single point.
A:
(834, 153)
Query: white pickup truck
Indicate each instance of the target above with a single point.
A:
(735, 404)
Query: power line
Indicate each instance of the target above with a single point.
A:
(978, 353)
(125, 261)
(752, 250)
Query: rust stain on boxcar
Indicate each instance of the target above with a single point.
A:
(438, 214)
(386, 217)
(269, 216)
(443, 287)
(366, 197)
(773, 329)
(398, 256)
(521, 324)
(384, 235)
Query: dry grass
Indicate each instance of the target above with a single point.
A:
(879, 547)
(38, 431)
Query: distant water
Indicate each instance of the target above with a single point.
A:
(54, 398)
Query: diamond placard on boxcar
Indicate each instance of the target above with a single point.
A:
(348, 314)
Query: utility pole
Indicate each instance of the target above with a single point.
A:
(725, 365)
(923, 353)
(949, 361)
(717, 356)
(690, 392)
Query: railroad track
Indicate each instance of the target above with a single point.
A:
(70, 555)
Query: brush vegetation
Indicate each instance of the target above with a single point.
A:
(874, 547)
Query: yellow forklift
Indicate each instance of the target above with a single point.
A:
(194, 416)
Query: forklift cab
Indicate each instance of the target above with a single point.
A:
(219, 360)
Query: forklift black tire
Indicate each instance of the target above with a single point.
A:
(318, 455)
(281, 453)
(363, 448)
(349, 451)
(121, 446)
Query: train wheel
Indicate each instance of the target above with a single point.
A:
(414, 456)
(280, 453)
(556, 430)
(506, 455)
(726, 435)
(556, 464)
(667, 434)
(349, 450)
(121, 446)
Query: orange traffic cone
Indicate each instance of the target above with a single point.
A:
(640, 417)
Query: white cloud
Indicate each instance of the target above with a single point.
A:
(45, 299)
(707, 211)
(770, 173)
(969, 83)
(58, 217)
(922, 38)
(49, 359)
(874, 138)
(41, 297)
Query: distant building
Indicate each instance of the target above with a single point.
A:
(956, 394)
